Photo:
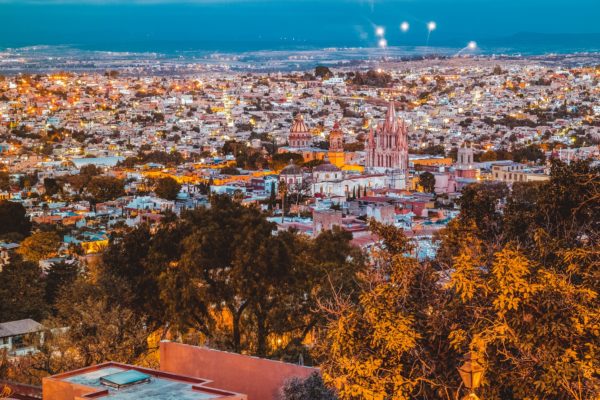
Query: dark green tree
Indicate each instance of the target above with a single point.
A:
(229, 171)
(530, 153)
(281, 160)
(13, 218)
(22, 292)
(427, 181)
(224, 262)
(4, 181)
(105, 188)
(61, 275)
(51, 186)
(323, 72)
(131, 270)
(272, 196)
(167, 188)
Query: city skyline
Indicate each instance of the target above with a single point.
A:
(299, 200)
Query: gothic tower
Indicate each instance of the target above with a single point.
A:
(387, 147)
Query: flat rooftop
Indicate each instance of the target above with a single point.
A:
(124, 382)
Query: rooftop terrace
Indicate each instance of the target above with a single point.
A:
(124, 382)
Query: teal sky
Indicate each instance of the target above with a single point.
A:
(230, 25)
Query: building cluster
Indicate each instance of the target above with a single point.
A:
(314, 152)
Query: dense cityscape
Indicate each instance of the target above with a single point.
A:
(298, 227)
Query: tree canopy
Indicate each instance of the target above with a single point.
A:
(105, 188)
(22, 291)
(427, 181)
(167, 188)
(13, 218)
(514, 281)
(222, 273)
(322, 71)
(39, 246)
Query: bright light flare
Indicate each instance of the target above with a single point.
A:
(380, 31)
(472, 45)
(404, 26)
(431, 26)
(383, 43)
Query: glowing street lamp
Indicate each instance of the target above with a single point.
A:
(380, 31)
(471, 373)
(404, 26)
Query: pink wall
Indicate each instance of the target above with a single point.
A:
(259, 378)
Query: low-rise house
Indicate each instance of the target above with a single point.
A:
(6, 251)
(21, 337)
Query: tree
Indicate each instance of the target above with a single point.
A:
(4, 181)
(105, 188)
(311, 388)
(229, 171)
(222, 275)
(13, 218)
(5, 392)
(167, 188)
(51, 186)
(98, 331)
(22, 291)
(39, 246)
(529, 153)
(82, 180)
(559, 216)
(89, 170)
(323, 72)
(374, 347)
(531, 322)
(372, 78)
(281, 160)
(282, 188)
(480, 204)
(131, 267)
(272, 196)
(61, 275)
(515, 281)
(235, 259)
(354, 146)
(94, 324)
(313, 163)
(489, 155)
(427, 181)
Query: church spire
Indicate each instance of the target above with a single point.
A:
(390, 116)
(391, 111)
(387, 147)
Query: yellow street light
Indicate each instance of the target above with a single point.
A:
(471, 372)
